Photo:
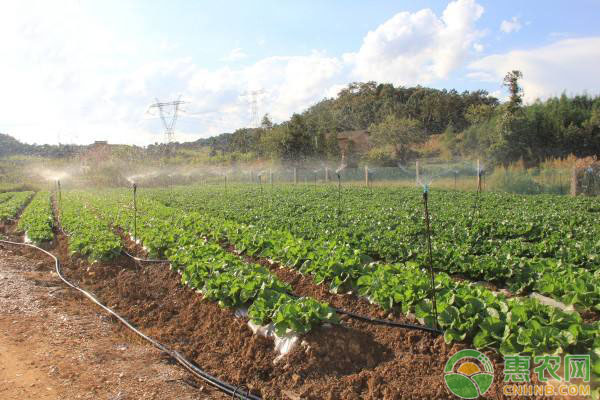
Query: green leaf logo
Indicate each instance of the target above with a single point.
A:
(464, 375)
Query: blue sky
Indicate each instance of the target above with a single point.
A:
(78, 71)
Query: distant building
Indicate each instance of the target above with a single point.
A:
(352, 145)
(100, 143)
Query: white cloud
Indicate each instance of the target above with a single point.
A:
(235, 55)
(510, 26)
(567, 65)
(68, 76)
(63, 72)
(418, 47)
(291, 84)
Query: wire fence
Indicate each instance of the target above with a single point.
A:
(464, 175)
(451, 176)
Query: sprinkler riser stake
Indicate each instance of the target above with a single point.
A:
(431, 272)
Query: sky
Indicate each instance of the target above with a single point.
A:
(76, 71)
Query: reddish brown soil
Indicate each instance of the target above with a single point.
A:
(353, 360)
(54, 344)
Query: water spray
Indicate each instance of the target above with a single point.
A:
(260, 182)
(477, 194)
(589, 173)
(431, 273)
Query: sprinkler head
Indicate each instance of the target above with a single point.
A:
(134, 187)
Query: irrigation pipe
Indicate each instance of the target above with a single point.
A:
(337, 310)
(382, 321)
(188, 365)
(388, 323)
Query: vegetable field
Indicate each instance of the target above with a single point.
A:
(513, 274)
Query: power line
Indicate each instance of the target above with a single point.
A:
(168, 113)
(253, 95)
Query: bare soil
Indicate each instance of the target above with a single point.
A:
(96, 357)
(54, 344)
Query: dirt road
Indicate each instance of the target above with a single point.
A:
(54, 344)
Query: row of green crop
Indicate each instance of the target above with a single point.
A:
(218, 275)
(89, 236)
(466, 311)
(37, 220)
(5, 196)
(532, 249)
(13, 187)
(223, 277)
(388, 223)
(406, 287)
(11, 207)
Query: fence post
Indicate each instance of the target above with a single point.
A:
(295, 175)
(367, 175)
(270, 176)
(574, 183)
(326, 174)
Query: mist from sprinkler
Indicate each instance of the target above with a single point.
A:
(259, 176)
(52, 175)
(402, 168)
(315, 173)
(370, 174)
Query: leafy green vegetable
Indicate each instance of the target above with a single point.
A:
(37, 219)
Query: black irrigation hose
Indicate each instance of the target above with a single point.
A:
(388, 323)
(337, 310)
(234, 391)
(382, 321)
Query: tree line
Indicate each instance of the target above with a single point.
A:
(398, 119)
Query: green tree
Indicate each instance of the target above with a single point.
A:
(290, 141)
(511, 81)
(266, 122)
(401, 133)
(479, 113)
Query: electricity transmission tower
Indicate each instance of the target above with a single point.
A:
(253, 95)
(168, 113)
